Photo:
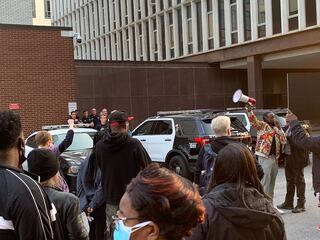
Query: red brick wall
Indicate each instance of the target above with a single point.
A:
(37, 70)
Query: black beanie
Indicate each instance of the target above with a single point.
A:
(43, 163)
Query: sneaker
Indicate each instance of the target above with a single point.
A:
(279, 211)
(285, 206)
(298, 209)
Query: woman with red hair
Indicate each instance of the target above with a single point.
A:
(158, 204)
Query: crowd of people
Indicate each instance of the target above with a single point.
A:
(123, 195)
(94, 120)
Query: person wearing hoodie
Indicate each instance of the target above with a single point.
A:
(236, 206)
(90, 192)
(221, 127)
(120, 158)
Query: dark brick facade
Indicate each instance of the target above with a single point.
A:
(142, 89)
(38, 72)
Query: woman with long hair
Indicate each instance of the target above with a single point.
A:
(90, 193)
(236, 206)
(158, 205)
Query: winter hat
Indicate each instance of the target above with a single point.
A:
(116, 117)
(43, 163)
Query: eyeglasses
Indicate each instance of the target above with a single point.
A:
(117, 218)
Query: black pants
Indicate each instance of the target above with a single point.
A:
(295, 180)
(97, 226)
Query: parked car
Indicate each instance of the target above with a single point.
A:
(71, 159)
(175, 138)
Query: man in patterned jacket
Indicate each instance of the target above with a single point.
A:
(270, 136)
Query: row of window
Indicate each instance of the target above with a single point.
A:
(164, 29)
(47, 8)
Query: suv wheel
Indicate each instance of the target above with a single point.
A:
(179, 166)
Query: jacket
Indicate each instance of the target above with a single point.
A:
(67, 206)
(227, 219)
(89, 196)
(298, 158)
(299, 137)
(217, 144)
(24, 208)
(120, 158)
(265, 135)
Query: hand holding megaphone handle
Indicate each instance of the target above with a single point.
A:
(249, 106)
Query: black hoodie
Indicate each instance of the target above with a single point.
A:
(227, 219)
(120, 159)
(217, 144)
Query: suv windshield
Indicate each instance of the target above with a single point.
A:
(80, 141)
(236, 126)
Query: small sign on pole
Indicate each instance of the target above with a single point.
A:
(72, 106)
(14, 106)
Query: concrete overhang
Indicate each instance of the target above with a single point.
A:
(304, 58)
(300, 49)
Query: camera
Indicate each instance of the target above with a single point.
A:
(78, 37)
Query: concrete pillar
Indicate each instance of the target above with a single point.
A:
(254, 73)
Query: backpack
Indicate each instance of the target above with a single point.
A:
(209, 160)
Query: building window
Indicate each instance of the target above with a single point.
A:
(293, 15)
(47, 9)
(293, 7)
(199, 26)
(189, 29)
(155, 38)
(234, 22)
(180, 41)
(33, 9)
(171, 35)
(140, 50)
(247, 20)
(163, 37)
(222, 38)
(311, 13)
(261, 19)
(210, 24)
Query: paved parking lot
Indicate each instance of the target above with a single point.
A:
(299, 226)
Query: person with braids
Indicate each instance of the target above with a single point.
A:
(158, 205)
(90, 193)
(236, 206)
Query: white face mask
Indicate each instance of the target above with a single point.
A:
(122, 232)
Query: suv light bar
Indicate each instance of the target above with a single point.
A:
(195, 111)
(53, 127)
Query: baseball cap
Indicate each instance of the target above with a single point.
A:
(117, 117)
(43, 163)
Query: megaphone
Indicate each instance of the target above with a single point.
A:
(238, 96)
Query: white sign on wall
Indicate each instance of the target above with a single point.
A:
(72, 106)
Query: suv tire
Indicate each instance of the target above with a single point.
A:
(179, 166)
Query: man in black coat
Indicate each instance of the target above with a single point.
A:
(301, 139)
(120, 158)
(297, 158)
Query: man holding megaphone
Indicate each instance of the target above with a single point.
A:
(270, 136)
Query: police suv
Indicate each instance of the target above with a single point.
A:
(174, 138)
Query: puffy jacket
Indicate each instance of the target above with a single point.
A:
(299, 137)
(68, 209)
(226, 218)
(265, 135)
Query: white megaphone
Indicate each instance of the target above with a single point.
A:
(238, 96)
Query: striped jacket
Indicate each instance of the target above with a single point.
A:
(265, 134)
(25, 211)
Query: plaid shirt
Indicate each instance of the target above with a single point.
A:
(265, 134)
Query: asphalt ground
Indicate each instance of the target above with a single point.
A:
(300, 226)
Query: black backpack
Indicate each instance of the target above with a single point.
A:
(209, 160)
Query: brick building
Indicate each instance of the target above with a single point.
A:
(37, 72)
